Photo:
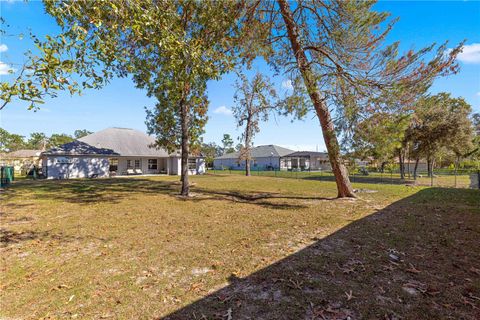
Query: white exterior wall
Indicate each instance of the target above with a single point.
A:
(255, 164)
(60, 167)
(201, 169)
(176, 166)
(75, 167)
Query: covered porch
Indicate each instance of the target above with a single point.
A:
(122, 166)
(305, 161)
(298, 163)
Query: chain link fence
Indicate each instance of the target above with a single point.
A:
(465, 178)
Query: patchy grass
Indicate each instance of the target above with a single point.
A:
(249, 248)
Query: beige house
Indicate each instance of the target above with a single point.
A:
(21, 160)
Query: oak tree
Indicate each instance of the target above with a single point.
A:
(169, 48)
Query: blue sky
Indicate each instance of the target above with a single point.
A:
(121, 105)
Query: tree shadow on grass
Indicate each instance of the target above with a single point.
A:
(10, 237)
(91, 191)
(418, 258)
(267, 200)
(386, 179)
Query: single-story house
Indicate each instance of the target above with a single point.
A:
(305, 160)
(114, 151)
(422, 166)
(21, 160)
(265, 157)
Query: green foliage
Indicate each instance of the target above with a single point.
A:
(210, 151)
(380, 136)
(38, 140)
(355, 71)
(227, 143)
(81, 133)
(57, 139)
(440, 121)
(10, 141)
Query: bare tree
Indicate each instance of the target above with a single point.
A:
(253, 102)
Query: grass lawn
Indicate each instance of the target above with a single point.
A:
(240, 248)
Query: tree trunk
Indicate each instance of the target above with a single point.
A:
(247, 167)
(339, 170)
(457, 162)
(401, 162)
(417, 160)
(382, 167)
(185, 148)
(429, 167)
(247, 146)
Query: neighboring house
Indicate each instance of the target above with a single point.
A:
(114, 151)
(305, 160)
(410, 166)
(21, 160)
(263, 158)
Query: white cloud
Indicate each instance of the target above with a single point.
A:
(5, 69)
(3, 47)
(287, 84)
(223, 110)
(470, 53)
(478, 93)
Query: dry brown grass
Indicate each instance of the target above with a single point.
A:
(258, 248)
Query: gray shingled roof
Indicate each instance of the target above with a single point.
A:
(24, 153)
(260, 152)
(78, 148)
(125, 142)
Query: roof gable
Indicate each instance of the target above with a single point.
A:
(23, 153)
(124, 142)
(79, 148)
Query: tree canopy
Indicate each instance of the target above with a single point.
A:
(334, 52)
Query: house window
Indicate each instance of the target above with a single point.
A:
(255, 163)
(129, 164)
(137, 163)
(113, 164)
(192, 164)
(152, 164)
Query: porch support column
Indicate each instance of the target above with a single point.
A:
(168, 165)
